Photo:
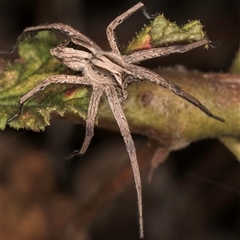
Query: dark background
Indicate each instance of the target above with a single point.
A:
(193, 195)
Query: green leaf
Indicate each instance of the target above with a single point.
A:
(35, 65)
(162, 32)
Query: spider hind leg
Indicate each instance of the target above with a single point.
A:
(125, 131)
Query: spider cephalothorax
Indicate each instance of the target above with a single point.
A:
(109, 73)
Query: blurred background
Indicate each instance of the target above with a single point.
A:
(195, 194)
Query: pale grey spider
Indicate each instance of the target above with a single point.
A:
(109, 73)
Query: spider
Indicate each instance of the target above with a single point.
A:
(108, 72)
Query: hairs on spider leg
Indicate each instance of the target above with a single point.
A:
(215, 44)
(16, 44)
(147, 14)
(72, 155)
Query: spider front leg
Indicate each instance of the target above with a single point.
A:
(67, 79)
(124, 129)
(90, 121)
(111, 36)
(65, 29)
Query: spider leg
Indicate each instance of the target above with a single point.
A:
(143, 73)
(68, 79)
(124, 129)
(147, 14)
(65, 29)
(90, 121)
(79, 42)
(111, 36)
(146, 54)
